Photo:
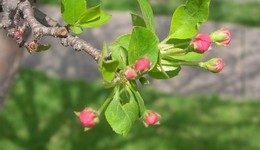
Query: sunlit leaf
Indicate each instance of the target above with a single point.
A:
(147, 14)
(71, 10)
(119, 50)
(187, 18)
(143, 43)
(121, 116)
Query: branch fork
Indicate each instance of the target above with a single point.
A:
(17, 12)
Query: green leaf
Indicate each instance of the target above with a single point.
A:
(104, 17)
(147, 14)
(187, 18)
(107, 68)
(119, 50)
(76, 29)
(121, 116)
(143, 43)
(132, 85)
(144, 81)
(164, 71)
(191, 56)
(109, 84)
(137, 20)
(122, 41)
(104, 50)
(71, 10)
(43, 47)
(90, 15)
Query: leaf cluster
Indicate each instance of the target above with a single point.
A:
(125, 105)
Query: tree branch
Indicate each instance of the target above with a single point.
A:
(41, 25)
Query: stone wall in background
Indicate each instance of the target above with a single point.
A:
(240, 78)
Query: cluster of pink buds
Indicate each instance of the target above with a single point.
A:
(202, 42)
(88, 117)
(151, 118)
(141, 66)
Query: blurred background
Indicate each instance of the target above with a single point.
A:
(200, 110)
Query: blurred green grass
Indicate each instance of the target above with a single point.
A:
(246, 13)
(38, 115)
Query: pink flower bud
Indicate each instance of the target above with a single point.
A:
(221, 37)
(18, 34)
(130, 73)
(201, 43)
(214, 65)
(151, 118)
(88, 117)
(142, 65)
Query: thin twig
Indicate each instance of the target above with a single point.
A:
(41, 25)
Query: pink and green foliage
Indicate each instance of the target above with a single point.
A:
(139, 53)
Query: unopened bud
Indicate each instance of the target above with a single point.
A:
(201, 43)
(18, 34)
(221, 37)
(130, 73)
(142, 65)
(151, 118)
(88, 117)
(32, 46)
(214, 65)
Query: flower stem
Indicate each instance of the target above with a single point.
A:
(108, 100)
(165, 40)
(189, 64)
(196, 64)
(174, 51)
(139, 98)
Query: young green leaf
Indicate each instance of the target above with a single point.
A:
(119, 50)
(43, 47)
(191, 56)
(122, 41)
(187, 18)
(107, 68)
(104, 17)
(147, 14)
(137, 20)
(76, 29)
(144, 81)
(90, 15)
(133, 88)
(71, 10)
(143, 43)
(121, 116)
